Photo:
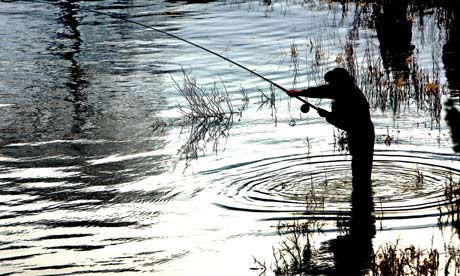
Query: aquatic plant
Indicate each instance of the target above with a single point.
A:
(203, 132)
(158, 125)
(295, 255)
(388, 138)
(452, 266)
(209, 116)
(245, 102)
(450, 212)
(392, 260)
(307, 146)
(204, 103)
(268, 99)
(340, 141)
(294, 63)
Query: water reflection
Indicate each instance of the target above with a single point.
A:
(353, 252)
(70, 43)
(83, 190)
(450, 53)
(394, 32)
(350, 253)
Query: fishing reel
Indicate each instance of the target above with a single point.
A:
(305, 108)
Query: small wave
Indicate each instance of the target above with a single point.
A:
(76, 142)
(406, 184)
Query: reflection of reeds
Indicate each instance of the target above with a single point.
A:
(392, 260)
(245, 100)
(158, 125)
(308, 146)
(203, 132)
(419, 178)
(295, 63)
(450, 214)
(294, 255)
(453, 262)
(209, 114)
(340, 141)
(269, 99)
(387, 88)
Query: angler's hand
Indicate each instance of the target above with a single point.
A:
(294, 92)
(322, 112)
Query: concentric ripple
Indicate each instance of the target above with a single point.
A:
(406, 184)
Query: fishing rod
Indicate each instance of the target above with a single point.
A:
(306, 105)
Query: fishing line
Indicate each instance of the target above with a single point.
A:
(304, 108)
(116, 16)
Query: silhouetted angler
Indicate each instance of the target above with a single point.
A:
(350, 112)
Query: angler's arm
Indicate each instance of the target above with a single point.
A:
(322, 91)
(333, 119)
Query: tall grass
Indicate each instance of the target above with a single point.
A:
(209, 115)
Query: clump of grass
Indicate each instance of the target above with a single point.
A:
(307, 146)
(450, 214)
(392, 260)
(388, 138)
(244, 100)
(295, 253)
(350, 58)
(295, 63)
(419, 178)
(390, 89)
(158, 125)
(340, 141)
(269, 99)
(202, 133)
(453, 262)
(316, 65)
(204, 104)
(209, 115)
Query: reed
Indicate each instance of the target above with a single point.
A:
(389, 89)
(450, 213)
(269, 99)
(340, 141)
(419, 178)
(203, 132)
(294, 63)
(295, 254)
(307, 146)
(208, 104)
(208, 116)
(393, 260)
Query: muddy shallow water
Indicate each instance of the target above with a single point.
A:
(101, 173)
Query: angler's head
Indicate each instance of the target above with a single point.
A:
(339, 77)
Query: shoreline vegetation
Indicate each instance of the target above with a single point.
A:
(389, 73)
(393, 80)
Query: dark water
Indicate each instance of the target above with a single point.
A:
(95, 172)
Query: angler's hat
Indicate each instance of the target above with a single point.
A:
(338, 76)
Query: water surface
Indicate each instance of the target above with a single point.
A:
(94, 178)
